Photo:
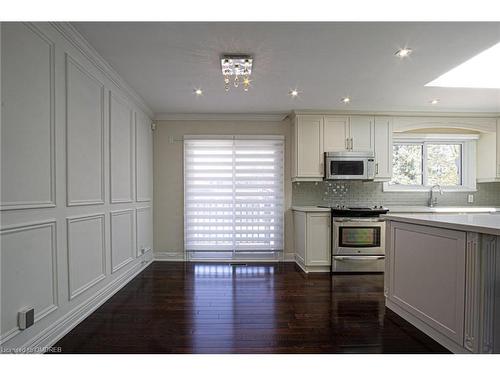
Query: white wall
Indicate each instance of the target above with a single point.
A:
(169, 180)
(76, 189)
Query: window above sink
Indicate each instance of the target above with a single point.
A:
(421, 161)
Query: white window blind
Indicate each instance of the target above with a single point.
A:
(233, 195)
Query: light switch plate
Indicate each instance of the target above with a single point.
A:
(470, 198)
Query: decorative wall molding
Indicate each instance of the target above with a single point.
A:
(120, 100)
(18, 205)
(262, 117)
(14, 331)
(68, 31)
(113, 214)
(138, 210)
(74, 291)
(138, 129)
(72, 202)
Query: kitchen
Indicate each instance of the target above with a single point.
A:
(233, 188)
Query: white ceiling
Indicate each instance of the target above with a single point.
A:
(164, 62)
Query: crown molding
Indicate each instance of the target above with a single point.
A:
(263, 117)
(396, 113)
(68, 31)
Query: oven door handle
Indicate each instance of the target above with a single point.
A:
(359, 257)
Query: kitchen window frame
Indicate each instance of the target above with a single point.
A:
(467, 168)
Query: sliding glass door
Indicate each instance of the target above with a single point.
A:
(233, 197)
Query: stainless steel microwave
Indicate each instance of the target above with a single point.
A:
(349, 165)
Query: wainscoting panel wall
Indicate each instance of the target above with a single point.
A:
(71, 223)
(29, 251)
(122, 239)
(144, 158)
(86, 252)
(144, 220)
(27, 117)
(85, 135)
(121, 138)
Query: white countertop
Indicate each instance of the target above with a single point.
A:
(480, 223)
(416, 209)
(443, 209)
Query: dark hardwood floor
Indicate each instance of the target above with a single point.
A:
(264, 308)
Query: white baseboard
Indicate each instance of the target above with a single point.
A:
(289, 257)
(62, 326)
(169, 256)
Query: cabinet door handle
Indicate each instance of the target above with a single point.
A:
(352, 144)
(376, 168)
(347, 143)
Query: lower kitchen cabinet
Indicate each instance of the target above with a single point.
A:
(312, 240)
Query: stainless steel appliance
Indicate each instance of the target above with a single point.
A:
(358, 239)
(349, 165)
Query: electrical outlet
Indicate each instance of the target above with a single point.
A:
(26, 318)
(470, 198)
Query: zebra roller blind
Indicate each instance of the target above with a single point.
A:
(233, 194)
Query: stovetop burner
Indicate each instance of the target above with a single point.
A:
(345, 211)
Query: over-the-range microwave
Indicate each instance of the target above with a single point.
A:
(349, 165)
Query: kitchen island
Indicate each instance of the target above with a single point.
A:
(442, 274)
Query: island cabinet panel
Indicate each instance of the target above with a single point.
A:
(426, 274)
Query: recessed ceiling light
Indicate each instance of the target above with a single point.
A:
(293, 93)
(345, 100)
(404, 52)
(434, 101)
(198, 92)
(481, 71)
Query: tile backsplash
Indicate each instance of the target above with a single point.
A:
(360, 193)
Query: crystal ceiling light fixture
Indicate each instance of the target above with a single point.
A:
(236, 68)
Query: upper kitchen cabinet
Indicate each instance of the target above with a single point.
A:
(488, 156)
(343, 133)
(361, 133)
(335, 133)
(307, 148)
(498, 147)
(312, 135)
(383, 148)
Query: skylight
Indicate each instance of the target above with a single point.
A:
(481, 71)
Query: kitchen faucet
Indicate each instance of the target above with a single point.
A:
(433, 201)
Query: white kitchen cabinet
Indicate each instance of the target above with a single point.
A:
(335, 133)
(312, 240)
(383, 148)
(361, 133)
(343, 133)
(488, 156)
(426, 277)
(307, 148)
(498, 148)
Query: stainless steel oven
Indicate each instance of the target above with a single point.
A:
(358, 244)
